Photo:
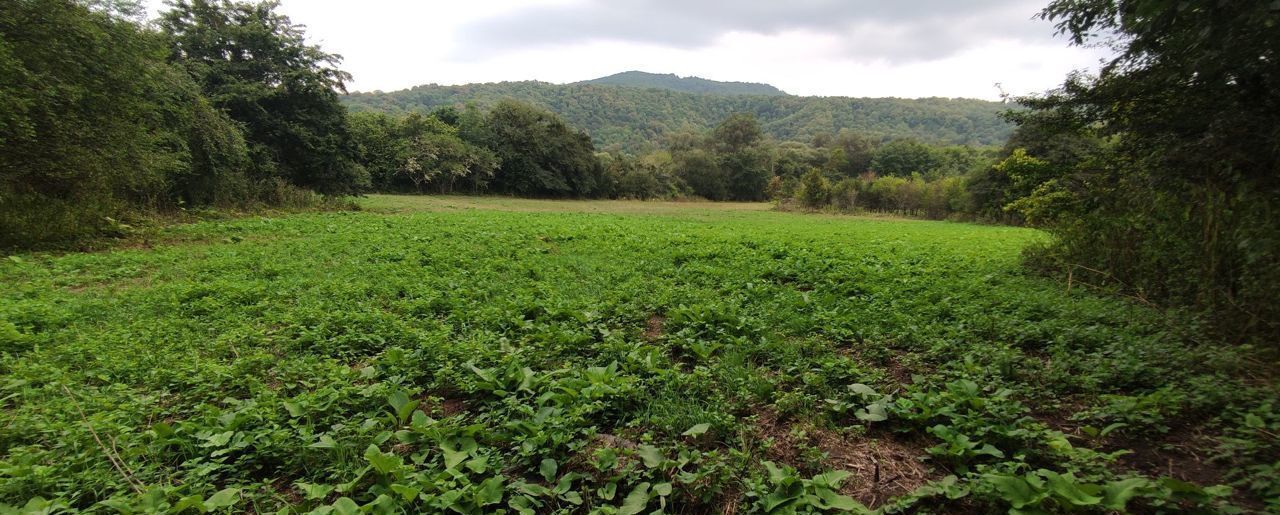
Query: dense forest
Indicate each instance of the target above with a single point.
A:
(636, 119)
(670, 81)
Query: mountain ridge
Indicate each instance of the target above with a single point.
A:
(634, 118)
(690, 84)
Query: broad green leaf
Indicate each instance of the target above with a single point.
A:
(224, 498)
(384, 463)
(1065, 487)
(608, 491)
(1116, 494)
(452, 456)
(402, 405)
(406, 492)
(313, 491)
(636, 501)
(548, 469)
(189, 502)
(345, 506)
(874, 412)
(990, 450)
(490, 491)
(294, 409)
(1014, 489)
(651, 456)
(832, 479)
(780, 497)
(861, 389)
(697, 430)
(834, 501)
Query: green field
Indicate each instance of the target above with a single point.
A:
(485, 354)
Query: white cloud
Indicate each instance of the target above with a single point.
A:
(395, 44)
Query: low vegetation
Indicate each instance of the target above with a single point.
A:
(690, 357)
(254, 340)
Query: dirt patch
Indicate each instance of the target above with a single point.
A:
(580, 461)
(446, 404)
(286, 491)
(884, 466)
(898, 370)
(1181, 454)
(895, 365)
(654, 326)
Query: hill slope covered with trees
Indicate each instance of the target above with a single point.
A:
(630, 118)
(670, 81)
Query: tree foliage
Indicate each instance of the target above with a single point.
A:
(636, 120)
(1178, 202)
(103, 117)
(255, 64)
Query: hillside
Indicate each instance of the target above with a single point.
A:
(636, 118)
(672, 82)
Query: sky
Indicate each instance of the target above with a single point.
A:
(858, 48)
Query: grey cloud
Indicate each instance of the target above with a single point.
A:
(892, 30)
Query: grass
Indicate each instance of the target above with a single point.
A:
(462, 354)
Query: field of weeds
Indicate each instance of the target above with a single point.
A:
(487, 355)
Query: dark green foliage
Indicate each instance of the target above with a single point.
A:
(420, 153)
(73, 119)
(635, 120)
(652, 176)
(702, 172)
(1179, 205)
(94, 125)
(540, 154)
(382, 148)
(903, 157)
(255, 64)
(814, 191)
(668, 81)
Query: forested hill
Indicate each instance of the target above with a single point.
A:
(639, 118)
(670, 81)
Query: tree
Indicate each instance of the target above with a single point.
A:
(815, 192)
(903, 157)
(700, 170)
(255, 64)
(1179, 205)
(851, 155)
(540, 154)
(381, 147)
(747, 173)
(94, 123)
(736, 133)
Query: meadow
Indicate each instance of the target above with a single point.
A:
(497, 355)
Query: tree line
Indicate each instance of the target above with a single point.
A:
(517, 148)
(638, 120)
(1160, 175)
(217, 103)
(221, 103)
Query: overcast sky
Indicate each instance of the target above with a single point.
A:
(875, 48)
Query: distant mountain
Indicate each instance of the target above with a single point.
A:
(670, 81)
(636, 119)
